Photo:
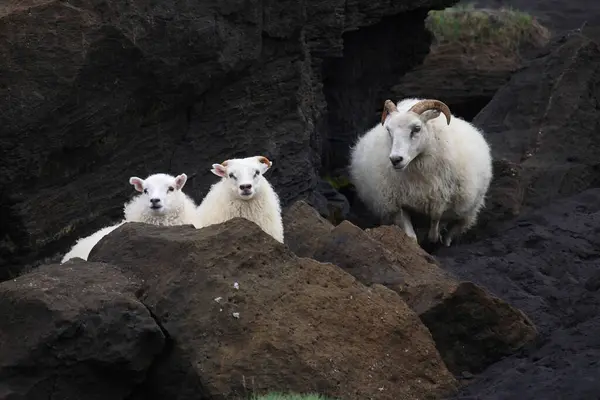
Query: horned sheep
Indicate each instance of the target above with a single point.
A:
(413, 160)
(244, 192)
(160, 202)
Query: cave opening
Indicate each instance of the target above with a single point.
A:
(356, 85)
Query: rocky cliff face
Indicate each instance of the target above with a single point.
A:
(94, 92)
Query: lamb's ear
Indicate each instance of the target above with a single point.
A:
(219, 170)
(180, 181)
(265, 163)
(137, 183)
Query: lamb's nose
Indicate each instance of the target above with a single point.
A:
(154, 201)
(246, 187)
(396, 160)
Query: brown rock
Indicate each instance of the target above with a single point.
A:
(473, 330)
(74, 331)
(386, 256)
(293, 324)
(303, 227)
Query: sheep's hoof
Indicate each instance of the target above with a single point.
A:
(434, 237)
(447, 241)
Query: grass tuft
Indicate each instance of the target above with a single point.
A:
(505, 29)
(280, 396)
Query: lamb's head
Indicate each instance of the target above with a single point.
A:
(162, 192)
(243, 175)
(409, 132)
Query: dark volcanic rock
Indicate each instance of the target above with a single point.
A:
(74, 331)
(543, 130)
(472, 329)
(465, 82)
(290, 324)
(546, 263)
(94, 92)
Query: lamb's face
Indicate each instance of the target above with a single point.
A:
(243, 175)
(162, 191)
(408, 136)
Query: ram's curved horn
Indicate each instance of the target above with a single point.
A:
(425, 105)
(224, 163)
(388, 108)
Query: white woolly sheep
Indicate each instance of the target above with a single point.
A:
(160, 202)
(413, 160)
(243, 192)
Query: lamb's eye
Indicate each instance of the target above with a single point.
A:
(146, 191)
(170, 189)
(232, 176)
(256, 173)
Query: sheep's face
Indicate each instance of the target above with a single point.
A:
(244, 175)
(408, 136)
(162, 191)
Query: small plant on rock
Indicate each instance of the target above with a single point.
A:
(505, 29)
(280, 396)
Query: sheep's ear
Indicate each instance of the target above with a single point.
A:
(219, 170)
(137, 183)
(180, 181)
(265, 163)
(429, 114)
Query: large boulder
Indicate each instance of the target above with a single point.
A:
(547, 264)
(92, 93)
(74, 331)
(243, 314)
(542, 127)
(471, 328)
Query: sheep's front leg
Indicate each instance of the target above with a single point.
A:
(402, 219)
(434, 230)
(458, 227)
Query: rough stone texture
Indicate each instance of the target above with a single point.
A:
(472, 330)
(465, 82)
(542, 127)
(93, 92)
(304, 227)
(301, 326)
(74, 331)
(545, 263)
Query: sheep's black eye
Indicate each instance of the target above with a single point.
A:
(231, 175)
(256, 173)
(170, 189)
(146, 191)
(414, 130)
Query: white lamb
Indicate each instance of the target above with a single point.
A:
(413, 160)
(243, 192)
(160, 202)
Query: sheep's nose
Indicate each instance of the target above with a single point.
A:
(154, 201)
(246, 187)
(396, 160)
